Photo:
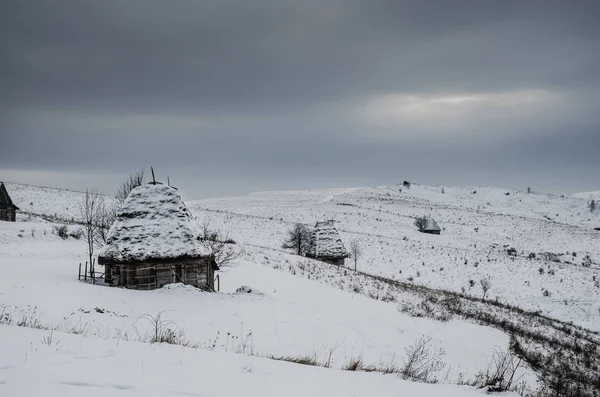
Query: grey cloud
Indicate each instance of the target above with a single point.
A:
(270, 90)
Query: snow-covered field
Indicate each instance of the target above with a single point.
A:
(563, 280)
(58, 204)
(287, 314)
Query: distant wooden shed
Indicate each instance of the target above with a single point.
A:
(432, 227)
(155, 242)
(8, 210)
(326, 244)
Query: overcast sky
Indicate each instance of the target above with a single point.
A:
(227, 97)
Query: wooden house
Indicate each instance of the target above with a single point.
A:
(154, 241)
(8, 211)
(432, 227)
(326, 244)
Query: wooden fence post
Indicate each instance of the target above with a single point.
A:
(79, 275)
(85, 274)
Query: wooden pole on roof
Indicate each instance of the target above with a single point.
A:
(153, 179)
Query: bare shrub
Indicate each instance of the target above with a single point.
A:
(421, 222)
(163, 332)
(355, 364)
(499, 376)
(62, 231)
(298, 239)
(423, 361)
(76, 234)
(134, 180)
(107, 215)
(222, 247)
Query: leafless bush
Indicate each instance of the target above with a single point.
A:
(223, 248)
(421, 222)
(62, 231)
(423, 361)
(163, 332)
(134, 180)
(76, 234)
(499, 376)
(107, 215)
(355, 364)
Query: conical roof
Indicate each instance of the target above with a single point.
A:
(431, 225)
(152, 224)
(326, 242)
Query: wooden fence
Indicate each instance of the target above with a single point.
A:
(89, 273)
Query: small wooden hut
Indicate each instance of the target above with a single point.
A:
(326, 244)
(154, 242)
(8, 211)
(432, 227)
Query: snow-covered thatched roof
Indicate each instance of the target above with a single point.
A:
(431, 225)
(326, 242)
(152, 224)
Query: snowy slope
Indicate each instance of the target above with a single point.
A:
(587, 195)
(69, 365)
(478, 230)
(60, 204)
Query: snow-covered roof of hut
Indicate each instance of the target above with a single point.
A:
(326, 242)
(432, 225)
(152, 224)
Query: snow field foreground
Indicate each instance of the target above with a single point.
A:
(288, 316)
(35, 363)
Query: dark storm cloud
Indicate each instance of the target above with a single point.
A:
(314, 89)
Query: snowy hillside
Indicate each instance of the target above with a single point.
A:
(539, 251)
(595, 195)
(51, 203)
(94, 339)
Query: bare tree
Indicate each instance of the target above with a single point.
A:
(528, 190)
(421, 222)
(91, 207)
(298, 239)
(592, 205)
(107, 215)
(134, 180)
(486, 284)
(223, 248)
(355, 251)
